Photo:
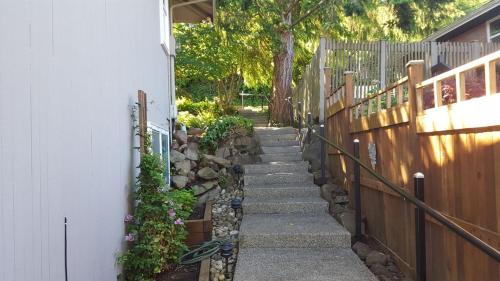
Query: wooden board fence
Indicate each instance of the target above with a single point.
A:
(461, 165)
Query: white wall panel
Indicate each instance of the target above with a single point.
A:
(69, 75)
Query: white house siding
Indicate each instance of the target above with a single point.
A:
(69, 75)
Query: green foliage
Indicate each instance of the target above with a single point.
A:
(185, 104)
(222, 128)
(201, 120)
(198, 114)
(156, 231)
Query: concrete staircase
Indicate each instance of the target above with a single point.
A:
(286, 233)
(259, 118)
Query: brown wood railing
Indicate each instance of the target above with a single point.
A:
(455, 143)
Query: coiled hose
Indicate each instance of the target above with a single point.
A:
(204, 251)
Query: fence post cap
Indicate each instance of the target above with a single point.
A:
(418, 175)
(322, 125)
(309, 113)
(356, 141)
(415, 62)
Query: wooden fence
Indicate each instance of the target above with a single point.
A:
(376, 65)
(453, 137)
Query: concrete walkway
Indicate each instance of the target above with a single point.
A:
(286, 233)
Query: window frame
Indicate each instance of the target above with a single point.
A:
(488, 29)
(165, 26)
(162, 131)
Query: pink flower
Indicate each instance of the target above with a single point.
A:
(178, 221)
(130, 237)
(171, 213)
(128, 218)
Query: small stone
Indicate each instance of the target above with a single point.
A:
(234, 232)
(336, 209)
(195, 131)
(191, 176)
(198, 190)
(375, 257)
(180, 181)
(176, 156)
(208, 173)
(392, 268)
(221, 277)
(341, 199)
(361, 249)
(223, 152)
(209, 184)
(218, 265)
(218, 160)
(183, 147)
(380, 270)
(180, 136)
(191, 154)
(183, 167)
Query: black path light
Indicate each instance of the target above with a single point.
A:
(226, 251)
(238, 170)
(236, 205)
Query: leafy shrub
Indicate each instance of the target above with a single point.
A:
(198, 114)
(201, 120)
(223, 128)
(196, 108)
(156, 230)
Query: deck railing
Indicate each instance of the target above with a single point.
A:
(375, 65)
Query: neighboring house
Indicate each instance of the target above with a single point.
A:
(69, 76)
(482, 24)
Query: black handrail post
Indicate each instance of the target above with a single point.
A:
(291, 111)
(418, 179)
(357, 193)
(299, 119)
(309, 123)
(322, 156)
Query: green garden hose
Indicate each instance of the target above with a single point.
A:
(204, 251)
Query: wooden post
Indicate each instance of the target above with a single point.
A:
(382, 65)
(349, 92)
(415, 76)
(322, 58)
(490, 77)
(357, 192)
(143, 120)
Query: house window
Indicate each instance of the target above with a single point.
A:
(160, 145)
(494, 30)
(164, 26)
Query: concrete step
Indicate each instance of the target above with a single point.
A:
(293, 231)
(282, 205)
(279, 190)
(281, 157)
(276, 168)
(277, 178)
(280, 149)
(274, 130)
(281, 137)
(299, 264)
(279, 143)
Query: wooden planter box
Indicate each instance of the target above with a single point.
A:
(204, 270)
(200, 230)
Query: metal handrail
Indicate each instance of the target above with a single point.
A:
(478, 243)
(483, 246)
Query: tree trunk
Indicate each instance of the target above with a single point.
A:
(282, 76)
